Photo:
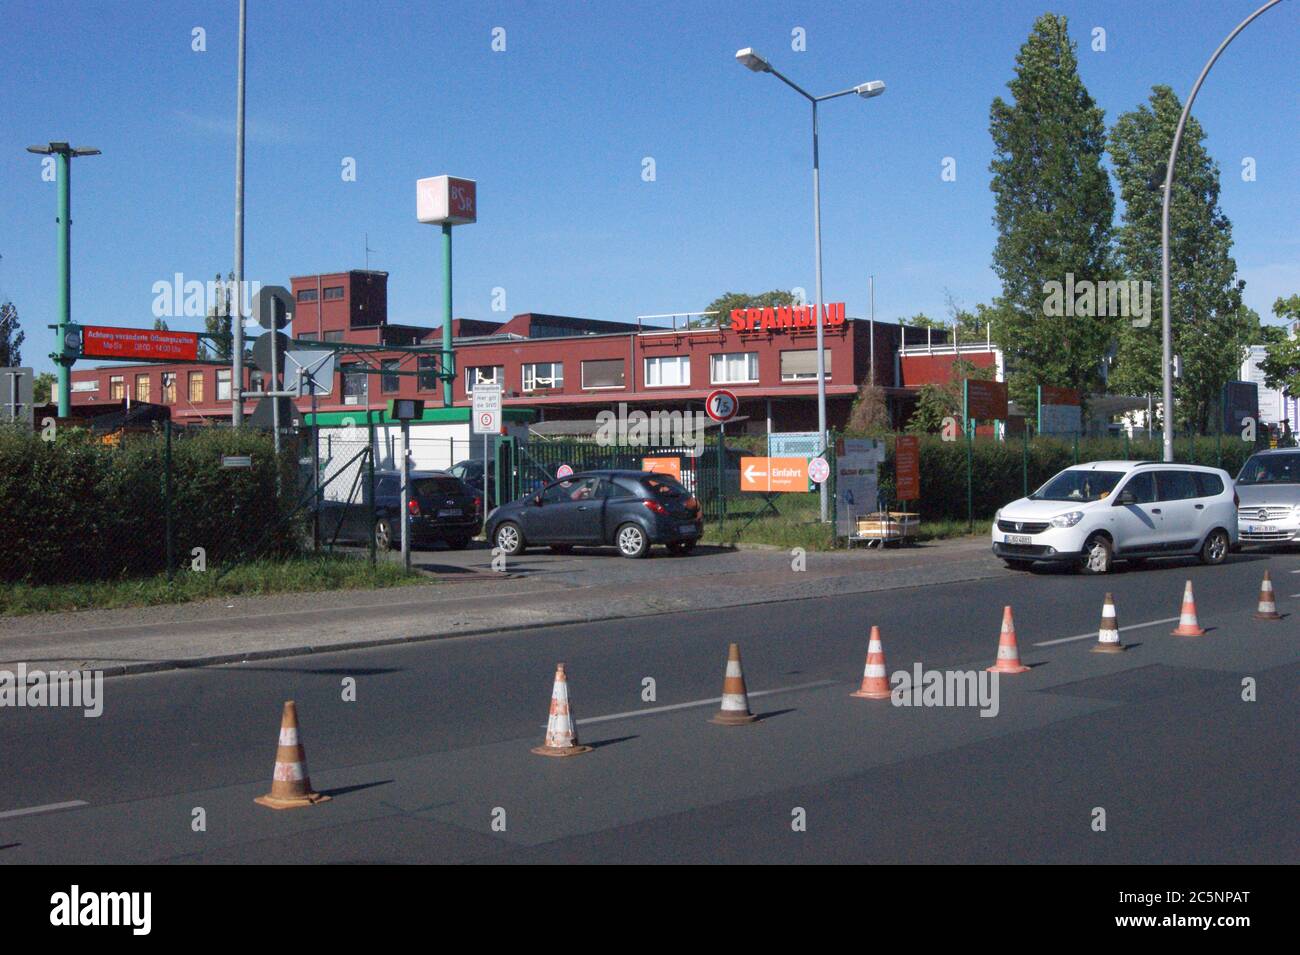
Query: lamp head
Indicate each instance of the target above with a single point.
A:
(749, 58)
(868, 90)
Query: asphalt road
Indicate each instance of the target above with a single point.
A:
(437, 743)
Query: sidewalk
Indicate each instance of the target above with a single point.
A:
(542, 589)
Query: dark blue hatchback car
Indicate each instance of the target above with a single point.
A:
(630, 510)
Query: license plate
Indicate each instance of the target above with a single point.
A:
(1260, 529)
(1018, 539)
(450, 512)
(686, 528)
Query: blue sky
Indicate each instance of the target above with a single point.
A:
(556, 128)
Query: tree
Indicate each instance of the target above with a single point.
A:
(11, 337)
(43, 387)
(870, 413)
(217, 320)
(1210, 330)
(1281, 364)
(725, 303)
(160, 325)
(1053, 210)
(922, 320)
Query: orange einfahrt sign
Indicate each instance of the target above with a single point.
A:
(669, 466)
(787, 475)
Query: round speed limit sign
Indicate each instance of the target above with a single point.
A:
(721, 404)
(818, 470)
(563, 471)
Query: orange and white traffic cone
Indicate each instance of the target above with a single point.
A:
(290, 785)
(561, 737)
(735, 698)
(1008, 653)
(1108, 632)
(1267, 606)
(1188, 626)
(875, 684)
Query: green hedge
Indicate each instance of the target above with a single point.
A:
(76, 509)
(998, 467)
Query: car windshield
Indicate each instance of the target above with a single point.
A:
(1080, 486)
(1271, 469)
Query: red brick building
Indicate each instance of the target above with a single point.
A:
(564, 367)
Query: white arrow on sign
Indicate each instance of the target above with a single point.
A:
(750, 472)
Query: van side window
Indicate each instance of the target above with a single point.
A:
(1142, 487)
(1209, 485)
(1176, 485)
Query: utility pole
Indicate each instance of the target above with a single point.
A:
(237, 322)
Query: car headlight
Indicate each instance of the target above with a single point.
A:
(1067, 520)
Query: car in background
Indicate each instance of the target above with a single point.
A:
(630, 510)
(471, 471)
(440, 508)
(1091, 515)
(1269, 489)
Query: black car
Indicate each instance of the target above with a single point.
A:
(471, 472)
(630, 510)
(441, 508)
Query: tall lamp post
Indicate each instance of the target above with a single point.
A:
(1167, 356)
(64, 154)
(750, 59)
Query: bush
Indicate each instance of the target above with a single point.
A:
(76, 509)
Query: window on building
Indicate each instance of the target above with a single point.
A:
(734, 368)
(336, 336)
(333, 292)
(169, 387)
(543, 374)
(306, 295)
(223, 384)
(116, 387)
(390, 383)
(356, 385)
(306, 337)
(802, 365)
(91, 384)
(486, 373)
(427, 366)
(196, 387)
(141, 387)
(603, 373)
(668, 371)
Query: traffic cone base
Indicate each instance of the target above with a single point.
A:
(1267, 605)
(290, 784)
(561, 737)
(1188, 625)
(735, 698)
(1008, 653)
(875, 683)
(1108, 632)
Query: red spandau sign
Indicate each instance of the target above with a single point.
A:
(785, 317)
(98, 341)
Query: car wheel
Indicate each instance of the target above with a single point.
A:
(681, 547)
(383, 534)
(1215, 547)
(458, 543)
(1098, 556)
(632, 541)
(1018, 564)
(510, 539)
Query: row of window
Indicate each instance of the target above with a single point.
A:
(330, 292)
(142, 389)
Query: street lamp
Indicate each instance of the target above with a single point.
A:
(65, 154)
(753, 61)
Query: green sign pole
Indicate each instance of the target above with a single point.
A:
(64, 172)
(446, 315)
(1024, 462)
(968, 424)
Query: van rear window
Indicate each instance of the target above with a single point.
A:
(664, 486)
(427, 487)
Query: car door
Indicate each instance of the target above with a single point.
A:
(1176, 494)
(569, 513)
(1136, 525)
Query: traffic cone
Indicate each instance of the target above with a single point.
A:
(1108, 632)
(875, 685)
(735, 699)
(290, 785)
(561, 738)
(1267, 607)
(1008, 654)
(1187, 623)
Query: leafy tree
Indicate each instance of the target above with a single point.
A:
(217, 320)
(1281, 364)
(43, 387)
(1053, 212)
(725, 303)
(11, 337)
(160, 325)
(922, 320)
(1209, 327)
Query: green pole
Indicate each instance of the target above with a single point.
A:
(64, 370)
(1126, 447)
(370, 480)
(447, 370)
(167, 496)
(1076, 447)
(1024, 463)
(970, 485)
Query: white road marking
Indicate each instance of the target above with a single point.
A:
(1092, 635)
(51, 807)
(682, 706)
